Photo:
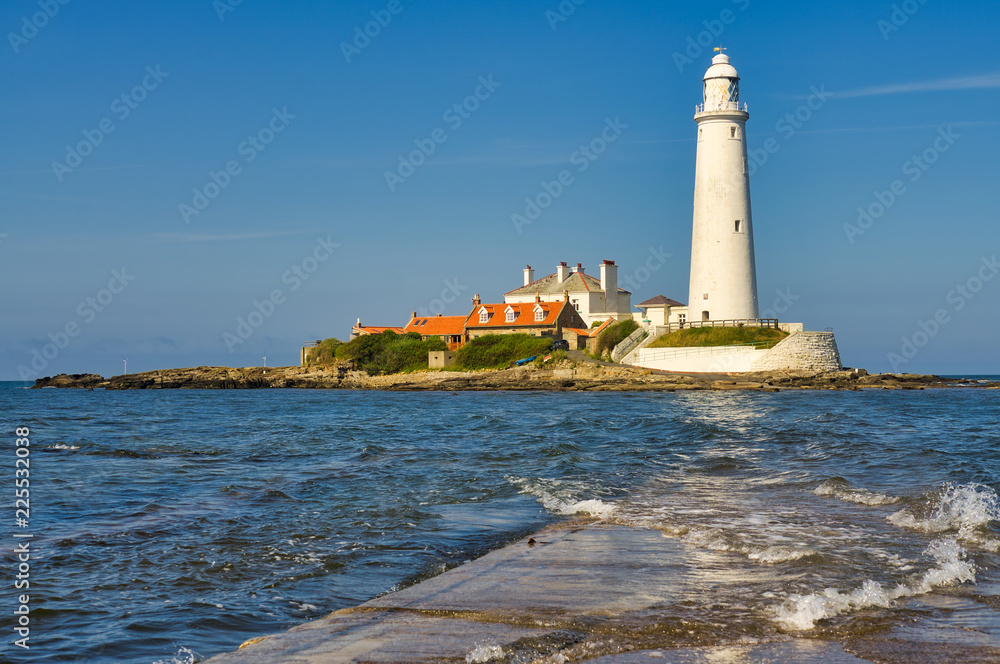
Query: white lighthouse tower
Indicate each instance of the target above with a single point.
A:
(723, 275)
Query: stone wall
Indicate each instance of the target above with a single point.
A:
(807, 351)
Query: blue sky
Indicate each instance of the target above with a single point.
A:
(119, 114)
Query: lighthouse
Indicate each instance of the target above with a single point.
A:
(723, 275)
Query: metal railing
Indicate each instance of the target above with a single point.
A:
(725, 106)
(736, 322)
(627, 344)
(654, 333)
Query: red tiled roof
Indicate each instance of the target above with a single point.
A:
(592, 332)
(524, 314)
(437, 325)
(372, 329)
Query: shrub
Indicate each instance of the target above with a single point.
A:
(614, 334)
(323, 353)
(389, 352)
(495, 351)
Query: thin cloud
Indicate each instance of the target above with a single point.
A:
(221, 237)
(983, 82)
(861, 130)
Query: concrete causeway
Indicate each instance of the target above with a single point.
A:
(572, 592)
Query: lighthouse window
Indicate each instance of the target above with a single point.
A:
(739, 226)
(732, 132)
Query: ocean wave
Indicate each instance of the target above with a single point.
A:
(839, 488)
(183, 656)
(483, 654)
(965, 509)
(715, 539)
(556, 498)
(800, 612)
(62, 446)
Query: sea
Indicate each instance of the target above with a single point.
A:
(169, 526)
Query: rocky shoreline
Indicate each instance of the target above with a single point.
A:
(566, 376)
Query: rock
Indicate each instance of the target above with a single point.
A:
(563, 376)
(70, 381)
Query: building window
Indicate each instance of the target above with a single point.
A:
(704, 315)
(576, 304)
(510, 315)
(484, 316)
(739, 226)
(539, 314)
(732, 132)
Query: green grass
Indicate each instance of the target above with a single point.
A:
(495, 351)
(614, 334)
(389, 353)
(760, 337)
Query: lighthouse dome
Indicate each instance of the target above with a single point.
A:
(721, 68)
(722, 86)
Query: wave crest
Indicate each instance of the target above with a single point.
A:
(842, 490)
(800, 612)
(557, 499)
(964, 509)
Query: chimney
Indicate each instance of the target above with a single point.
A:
(538, 297)
(562, 272)
(529, 275)
(476, 301)
(439, 315)
(413, 315)
(578, 268)
(609, 284)
(565, 296)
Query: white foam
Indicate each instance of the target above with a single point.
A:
(854, 495)
(779, 554)
(715, 539)
(62, 446)
(183, 656)
(483, 654)
(800, 612)
(593, 507)
(962, 509)
(555, 497)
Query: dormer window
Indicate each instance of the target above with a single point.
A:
(539, 313)
(510, 315)
(484, 316)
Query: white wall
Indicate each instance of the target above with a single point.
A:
(717, 359)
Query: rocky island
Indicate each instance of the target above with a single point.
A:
(562, 376)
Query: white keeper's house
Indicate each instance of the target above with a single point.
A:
(594, 299)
